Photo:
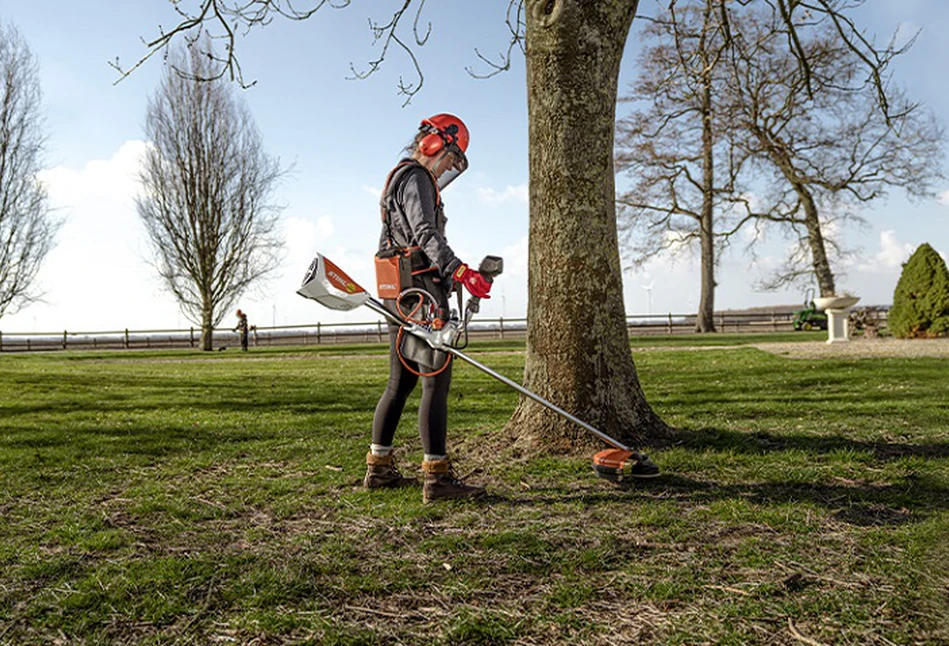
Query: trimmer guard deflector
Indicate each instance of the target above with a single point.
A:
(620, 465)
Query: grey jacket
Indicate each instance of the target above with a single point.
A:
(416, 217)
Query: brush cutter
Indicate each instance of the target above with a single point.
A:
(331, 287)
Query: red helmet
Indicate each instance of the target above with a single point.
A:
(238, 312)
(445, 133)
(443, 130)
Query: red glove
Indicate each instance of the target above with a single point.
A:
(472, 280)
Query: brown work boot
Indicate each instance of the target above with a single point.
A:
(381, 473)
(441, 483)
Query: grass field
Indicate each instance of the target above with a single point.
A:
(202, 498)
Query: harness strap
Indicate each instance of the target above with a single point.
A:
(392, 181)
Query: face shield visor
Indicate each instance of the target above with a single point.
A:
(455, 163)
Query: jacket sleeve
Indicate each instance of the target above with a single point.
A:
(418, 204)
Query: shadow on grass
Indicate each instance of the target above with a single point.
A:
(907, 498)
(861, 504)
(759, 443)
(156, 394)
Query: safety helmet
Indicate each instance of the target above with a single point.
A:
(238, 312)
(445, 134)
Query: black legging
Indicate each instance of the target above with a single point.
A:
(433, 409)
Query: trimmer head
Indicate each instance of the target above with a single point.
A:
(617, 465)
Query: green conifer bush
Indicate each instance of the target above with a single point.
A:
(921, 300)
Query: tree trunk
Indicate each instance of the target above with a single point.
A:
(207, 330)
(578, 353)
(815, 240)
(705, 318)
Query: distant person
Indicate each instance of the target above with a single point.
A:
(242, 329)
(414, 222)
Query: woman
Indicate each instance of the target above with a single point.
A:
(414, 223)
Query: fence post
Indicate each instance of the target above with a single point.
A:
(192, 337)
(319, 333)
(1, 341)
(64, 339)
(670, 323)
(501, 321)
(379, 324)
(126, 338)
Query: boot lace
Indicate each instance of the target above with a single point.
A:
(453, 476)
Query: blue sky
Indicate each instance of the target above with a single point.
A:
(342, 136)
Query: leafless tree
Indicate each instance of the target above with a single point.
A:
(577, 349)
(819, 141)
(673, 145)
(27, 228)
(207, 186)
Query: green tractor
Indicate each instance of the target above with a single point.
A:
(809, 318)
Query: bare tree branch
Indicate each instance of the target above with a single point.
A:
(388, 33)
(673, 146)
(514, 19)
(27, 230)
(875, 60)
(216, 20)
(206, 192)
(818, 134)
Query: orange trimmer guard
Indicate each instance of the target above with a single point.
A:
(613, 464)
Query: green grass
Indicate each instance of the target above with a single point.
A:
(174, 497)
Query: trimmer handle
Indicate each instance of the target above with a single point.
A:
(490, 267)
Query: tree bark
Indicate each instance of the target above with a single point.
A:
(815, 240)
(207, 329)
(705, 319)
(775, 149)
(578, 353)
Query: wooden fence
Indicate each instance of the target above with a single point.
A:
(368, 332)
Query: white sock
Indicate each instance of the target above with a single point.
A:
(378, 449)
(435, 458)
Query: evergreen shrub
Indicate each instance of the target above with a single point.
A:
(921, 299)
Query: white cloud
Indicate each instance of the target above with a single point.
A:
(114, 180)
(277, 303)
(493, 197)
(891, 255)
(303, 239)
(515, 258)
(97, 277)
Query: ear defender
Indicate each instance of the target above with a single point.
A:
(431, 144)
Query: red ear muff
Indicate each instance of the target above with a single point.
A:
(431, 144)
